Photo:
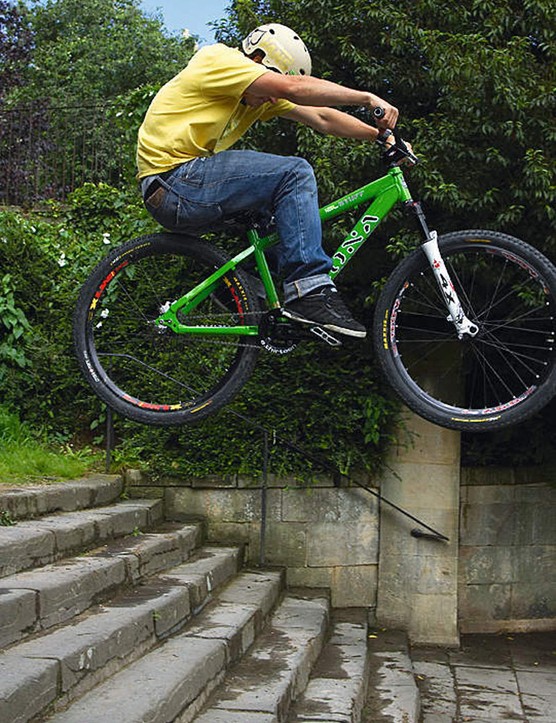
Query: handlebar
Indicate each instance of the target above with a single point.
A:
(393, 154)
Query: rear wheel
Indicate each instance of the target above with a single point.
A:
(501, 376)
(147, 372)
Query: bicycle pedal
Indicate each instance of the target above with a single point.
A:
(324, 335)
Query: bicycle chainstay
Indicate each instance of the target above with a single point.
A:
(277, 334)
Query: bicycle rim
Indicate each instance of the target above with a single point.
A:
(501, 376)
(146, 371)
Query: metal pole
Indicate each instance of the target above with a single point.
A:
(109, 439)
(264, 490)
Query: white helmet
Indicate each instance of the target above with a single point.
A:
(283, 50)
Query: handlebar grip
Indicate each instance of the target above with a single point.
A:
(379, 112)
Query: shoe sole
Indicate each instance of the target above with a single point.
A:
(329, 327)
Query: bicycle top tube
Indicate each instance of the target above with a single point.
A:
(383, 193)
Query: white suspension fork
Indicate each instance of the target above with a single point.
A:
(455, 310)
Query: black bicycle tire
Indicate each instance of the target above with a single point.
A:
(93, 371)
(385, 343)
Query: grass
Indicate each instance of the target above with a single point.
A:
(26, 456)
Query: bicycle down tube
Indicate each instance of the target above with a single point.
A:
(384, 194)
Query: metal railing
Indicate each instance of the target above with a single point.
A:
(48, 151)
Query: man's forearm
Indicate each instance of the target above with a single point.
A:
(305, 90)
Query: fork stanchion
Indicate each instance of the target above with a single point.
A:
(264, 493)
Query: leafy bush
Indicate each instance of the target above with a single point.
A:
(48, 256)
(327, 401)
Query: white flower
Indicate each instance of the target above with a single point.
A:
(62, 261)
(106, 238)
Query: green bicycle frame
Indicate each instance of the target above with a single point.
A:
(384, 194)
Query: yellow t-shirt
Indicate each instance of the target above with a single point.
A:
(198, 112)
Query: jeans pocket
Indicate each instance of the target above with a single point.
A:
(163, 206)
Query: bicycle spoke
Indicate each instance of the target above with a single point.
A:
(514, 346)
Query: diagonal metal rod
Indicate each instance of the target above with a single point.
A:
(324, 464)
(338, 474)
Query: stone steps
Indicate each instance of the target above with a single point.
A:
(277, 669)
(337, 688)
(108, 613)
(39, 599)
(38, 542)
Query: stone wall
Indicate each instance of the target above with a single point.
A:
(507, 561)
(417, 589)
(325, 536)
(496, 572)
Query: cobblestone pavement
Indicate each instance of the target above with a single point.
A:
(507, 677)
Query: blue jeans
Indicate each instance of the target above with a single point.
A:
(203, 192)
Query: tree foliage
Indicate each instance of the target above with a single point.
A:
(15, 45)
(94, 50)
(475, 83)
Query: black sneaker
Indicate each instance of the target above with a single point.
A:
(326, 309)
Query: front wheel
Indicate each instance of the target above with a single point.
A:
(145, 371)
(501, 376)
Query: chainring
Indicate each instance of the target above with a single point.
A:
(278, 335)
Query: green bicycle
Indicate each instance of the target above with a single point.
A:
(167, 328)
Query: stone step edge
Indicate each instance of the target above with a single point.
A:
(171, 683)
(276, 670)
(393, 693)
(35, 543)
(337, 687)
(68, 662)
(31, 501)
(36, 600)
(207, 645)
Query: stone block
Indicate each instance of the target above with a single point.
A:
(72, 532)
(354, 586)
(482, 495)
(488, 602)
(536, 493)
(535, 564)
(286, 544)
(26, 687)
(343, 505)
(70, 588)
(427, 442)
(106, 489)
(309, 577)
(533, 600)
(120, 520)
(222, 505)
(489, 524)
(23, 546)
(433, 620)
(420, 485)
(483, 565)
(435, 575)
(18, 614)
(64, 498)
(482, 476)
(257, 589)
(332, 544)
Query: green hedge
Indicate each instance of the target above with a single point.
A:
(328, 401)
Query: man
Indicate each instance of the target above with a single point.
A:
(191, 181)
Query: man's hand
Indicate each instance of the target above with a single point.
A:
(390, 117)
